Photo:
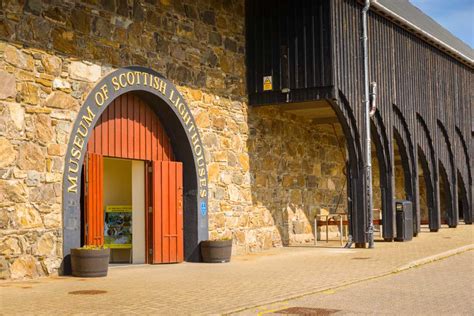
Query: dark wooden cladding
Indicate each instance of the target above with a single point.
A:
(430, 89)
(424, 95)
(290, 41)
(128, 128)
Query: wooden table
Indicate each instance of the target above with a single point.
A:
(340, 217)
(335, 216)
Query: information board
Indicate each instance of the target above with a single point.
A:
(118, 227)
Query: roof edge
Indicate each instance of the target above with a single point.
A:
(380, 8)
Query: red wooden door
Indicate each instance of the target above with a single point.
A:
(94, 194)
(167, 210)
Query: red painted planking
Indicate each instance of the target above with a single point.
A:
(143, 127)
(105, 133)
(111, 123)
(157, 213)
(179, 225)
(129, 99)
(136, 127)
(167, 188)
(172, 211)
(94, 206)
(165, 198)
(128, 128)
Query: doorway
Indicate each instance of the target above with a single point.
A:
(124, 207)
(133, 196)
(122, 123)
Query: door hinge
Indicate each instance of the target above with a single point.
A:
(150, 169)
(150, 209)
(150, 251)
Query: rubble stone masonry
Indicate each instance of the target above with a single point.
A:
(269, 172)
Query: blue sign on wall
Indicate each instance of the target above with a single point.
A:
(203, 208)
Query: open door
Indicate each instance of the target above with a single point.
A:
(94, 195)
(167, 212)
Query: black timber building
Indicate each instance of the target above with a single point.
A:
(312, 52)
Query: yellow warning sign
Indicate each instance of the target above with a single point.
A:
(267, 83)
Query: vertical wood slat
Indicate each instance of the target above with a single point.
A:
(172, 210)
(148, 215)
(157, 212)
(123, 127)
(111, 126)
(91, 143)
(90, 201)
(129, 99)
(143, 127)
(154, 139)
(118, 127)
(100, 207)
(160, 139)
(148, 130)
(179, 202)
(136, 128)
(105, 132)
(94, 205)
(97, 137)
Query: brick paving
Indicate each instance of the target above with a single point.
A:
(444, 287)
(247, 281)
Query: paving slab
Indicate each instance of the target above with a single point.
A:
(245, 282)
(443, 287)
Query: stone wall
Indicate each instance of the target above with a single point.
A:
(52, 54)
(400, 193)
(297, 172)
(269, 172)
(443, 197)
(376, 192)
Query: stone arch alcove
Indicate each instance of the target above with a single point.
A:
(177, 119)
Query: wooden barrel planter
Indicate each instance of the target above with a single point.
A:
(90, 263)
(216, 251)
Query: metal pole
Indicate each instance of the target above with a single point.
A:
(368, 154)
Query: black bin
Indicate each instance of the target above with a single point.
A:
(404, 218)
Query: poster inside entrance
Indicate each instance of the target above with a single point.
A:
(118, 226)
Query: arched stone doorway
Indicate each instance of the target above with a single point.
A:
(170, 107)
(132, 174)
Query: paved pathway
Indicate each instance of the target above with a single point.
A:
(443, 287)
(247, 281)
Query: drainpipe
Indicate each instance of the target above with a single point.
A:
(367, 110)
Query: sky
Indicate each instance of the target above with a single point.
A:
(457, 16)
